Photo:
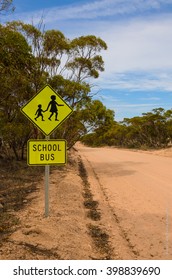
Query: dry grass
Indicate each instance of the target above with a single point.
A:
(101, 241)
(17, 180)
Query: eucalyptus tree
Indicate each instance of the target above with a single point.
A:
(74, 60)
(16, 62)
(6, 5)
(32, 57)
(151, 130)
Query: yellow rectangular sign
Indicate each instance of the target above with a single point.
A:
(46, 152)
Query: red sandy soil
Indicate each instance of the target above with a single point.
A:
(133, 191)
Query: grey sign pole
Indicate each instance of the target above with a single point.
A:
(47, 173)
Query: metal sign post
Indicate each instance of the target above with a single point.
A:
(47, 174)
(47, 152)
(42, 111)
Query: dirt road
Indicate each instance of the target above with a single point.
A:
(105, 203)
(134, 190)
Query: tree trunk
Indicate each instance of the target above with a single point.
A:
(15, 152)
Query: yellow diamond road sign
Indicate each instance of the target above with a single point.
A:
(46, 152)
(47, 110)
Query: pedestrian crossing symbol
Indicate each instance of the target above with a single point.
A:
(47, 110)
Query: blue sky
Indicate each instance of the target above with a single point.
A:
(138, 62)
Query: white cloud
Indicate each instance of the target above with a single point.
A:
(138, 46)
(104, 8)
(131, 110)
(95, 9)
(135, 44)
(150, 98)
(142, 44)
(143, 82)
(136, 105)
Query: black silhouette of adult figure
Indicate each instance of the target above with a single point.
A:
(53, 107)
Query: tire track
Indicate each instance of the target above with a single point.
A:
(99, 236)
(120, 242)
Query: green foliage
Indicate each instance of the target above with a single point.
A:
(16, 62)
(55, 43)
(83, 60)
(151, 130)
(30, 58)
(6, 5)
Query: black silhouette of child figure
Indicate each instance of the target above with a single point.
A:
(39, 112)
(53, 107)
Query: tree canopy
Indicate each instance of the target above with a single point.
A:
(30, 58)
(6, 5)
(151, 130)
